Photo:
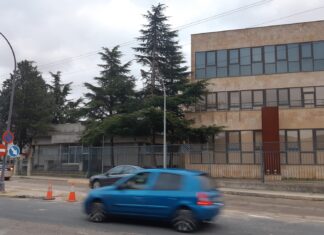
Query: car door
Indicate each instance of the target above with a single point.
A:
(130, 196)
(113, 175)
(167, 192)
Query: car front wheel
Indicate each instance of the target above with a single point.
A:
(96, 184)
(97, 212)
(184, 221)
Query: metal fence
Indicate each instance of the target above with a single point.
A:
(86, 161)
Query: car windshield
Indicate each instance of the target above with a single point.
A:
(206, 183)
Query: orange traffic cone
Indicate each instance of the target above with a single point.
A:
(72, 197)
(49, 193)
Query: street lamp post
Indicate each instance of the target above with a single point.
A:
(2, 184)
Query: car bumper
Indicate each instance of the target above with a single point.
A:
(207, 213)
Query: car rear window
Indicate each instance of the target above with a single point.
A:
(167, 181)
(206, 183)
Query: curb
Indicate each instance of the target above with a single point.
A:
(270, 195)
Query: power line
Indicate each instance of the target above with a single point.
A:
(127, 43)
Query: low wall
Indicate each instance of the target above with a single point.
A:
(307, 172)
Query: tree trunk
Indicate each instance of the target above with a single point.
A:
(30, 161)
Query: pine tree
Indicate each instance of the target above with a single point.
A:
(65, 110)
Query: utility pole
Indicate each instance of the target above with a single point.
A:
(4, 162)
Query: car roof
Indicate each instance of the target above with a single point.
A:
(174, 171)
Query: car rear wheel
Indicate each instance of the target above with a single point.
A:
(96, 184)
(97, 212)
(7, 178)
(184, 221)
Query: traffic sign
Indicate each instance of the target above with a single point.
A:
(8, 137)
(3, 150)
(14, 151)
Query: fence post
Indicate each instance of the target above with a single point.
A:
(262, 163)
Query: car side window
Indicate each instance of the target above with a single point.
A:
(168, 181)
(129, 170)
(138, 181)
(116, 170)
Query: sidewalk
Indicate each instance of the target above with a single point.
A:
(295, 190)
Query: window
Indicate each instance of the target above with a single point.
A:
(211, 100)
(247, 141)
(319, 139)
(318, 50)
(234, 99)
(282, 139)
(257, 140)
(200, 60)
(245, 61)
(306, 54)
(306, 140)
(292, 140)
(257, 98)
(295, 97)
(283, 97)
(167, 181)
(271, 97)
(211, 65)
(281, 52)
(138, 181)
(269, 58)
(257, 64)
(200, 73)
(222, 63)
(246, 99)
(222, 100)
(320, 96)
(233, 140)
(220, 142)
(293, 57)
(309, 96)
(234, 67)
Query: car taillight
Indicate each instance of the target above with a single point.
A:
(203, 199)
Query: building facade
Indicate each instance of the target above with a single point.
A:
(266, 87)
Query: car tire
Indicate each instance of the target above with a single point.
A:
(97, 212)
(7, 178)
(96, 184)
(184, 221)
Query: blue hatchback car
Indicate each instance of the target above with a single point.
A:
(185, 198)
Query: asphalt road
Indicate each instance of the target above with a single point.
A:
(33, 216)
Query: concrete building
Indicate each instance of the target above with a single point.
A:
(266, 86)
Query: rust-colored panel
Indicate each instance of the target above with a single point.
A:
(270, 140)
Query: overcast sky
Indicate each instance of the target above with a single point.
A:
(66, 35)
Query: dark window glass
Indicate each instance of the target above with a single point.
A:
(211, 58)
(307, 65)
(281, 52)
(233, 140)
(257, 98)
(320, 95)
(222, 72)
(222, 58)
(138, 181)
(257, 140)
(245, 56)
(200, 60)
(292, 141)
(211, 100)
(222, 100)
(206, 183)
(234, 70)
(167, 181)
(306, 140)
(270, 68)
(245, 70)
(318, 50)
(211, 72)
(271, 97)
(283, 97)
(306, 50)
(319, 139)
(295, 97)
(282, 66)
(257, 54)
(116, 170)
(269, 54)
(200, 73)
(309, 99)
(246, 99)
(220, 142)
(282, 139)
(293, 58)
(234, 99)
(234, 56)
(257, 68)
